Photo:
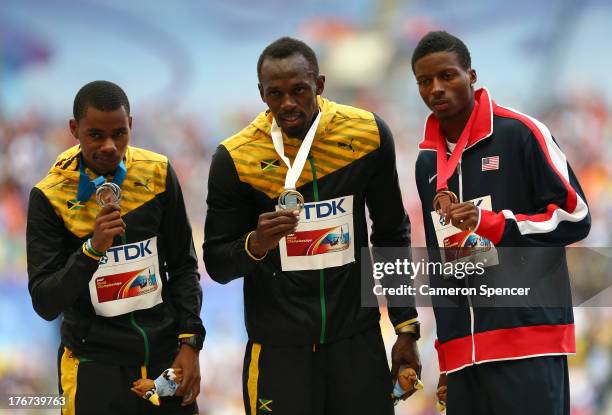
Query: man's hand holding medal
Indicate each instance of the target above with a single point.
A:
(462, 215)
(271, 228)
(108, 222)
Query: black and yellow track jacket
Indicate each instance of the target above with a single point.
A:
(352, 154)
(59, 272)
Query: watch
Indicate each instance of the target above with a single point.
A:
(195, 341)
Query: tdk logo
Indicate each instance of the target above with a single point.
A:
(128, 252)
(324, 209)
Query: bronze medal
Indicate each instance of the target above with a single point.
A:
(443, 199)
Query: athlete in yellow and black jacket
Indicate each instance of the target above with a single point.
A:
(127, 307)
(355, 157)
(308, 322)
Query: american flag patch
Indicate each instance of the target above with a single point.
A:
(490, 163)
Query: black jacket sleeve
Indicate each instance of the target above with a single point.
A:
(390, 223)
(229, 219)
(181, 259)
(56, 277)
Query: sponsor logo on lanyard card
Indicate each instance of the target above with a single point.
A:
(324, 237)
(127, 279)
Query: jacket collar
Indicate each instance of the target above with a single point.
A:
(67, 163)
(263, 121)
(481, 128)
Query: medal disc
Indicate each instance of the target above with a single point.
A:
(291, 200)
(108, 193)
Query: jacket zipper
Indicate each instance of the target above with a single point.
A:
(466, 279)
(315, 190)
(144, 337)
(460, 182)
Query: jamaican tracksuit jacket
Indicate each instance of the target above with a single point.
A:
(536, 202)
(352, 156)
(130, 308)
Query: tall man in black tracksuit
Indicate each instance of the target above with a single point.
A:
(490, 177)
(312, 348)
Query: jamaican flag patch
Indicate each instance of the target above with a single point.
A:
(269, 164)
(74, 204)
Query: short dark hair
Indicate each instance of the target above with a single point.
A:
(441, 41)
(102, 95)
(285, 47)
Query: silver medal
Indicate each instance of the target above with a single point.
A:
(108, 193)
(291, 199)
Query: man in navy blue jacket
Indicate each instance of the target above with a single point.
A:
(490, 178)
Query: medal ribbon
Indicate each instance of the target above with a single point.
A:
(294, 172)
(445, 168)
(87, 186)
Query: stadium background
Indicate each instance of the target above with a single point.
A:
(188, 68)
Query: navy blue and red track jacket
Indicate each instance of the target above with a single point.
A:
(536, 202)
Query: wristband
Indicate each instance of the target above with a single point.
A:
(406, 323)
(89, 254)
(92, 250)
(246, 248)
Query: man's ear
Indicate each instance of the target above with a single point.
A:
(320, 84)
(73, 124)
(261, 92)
(473, 77)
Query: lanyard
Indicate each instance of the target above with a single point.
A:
(294, 172)
(87, 187)
(445, 168)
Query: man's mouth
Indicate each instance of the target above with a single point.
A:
(107, 160)
(440, 104)
(290, 118)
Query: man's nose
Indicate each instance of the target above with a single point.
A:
(108, 146)
(437, 87)
(288, 103)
